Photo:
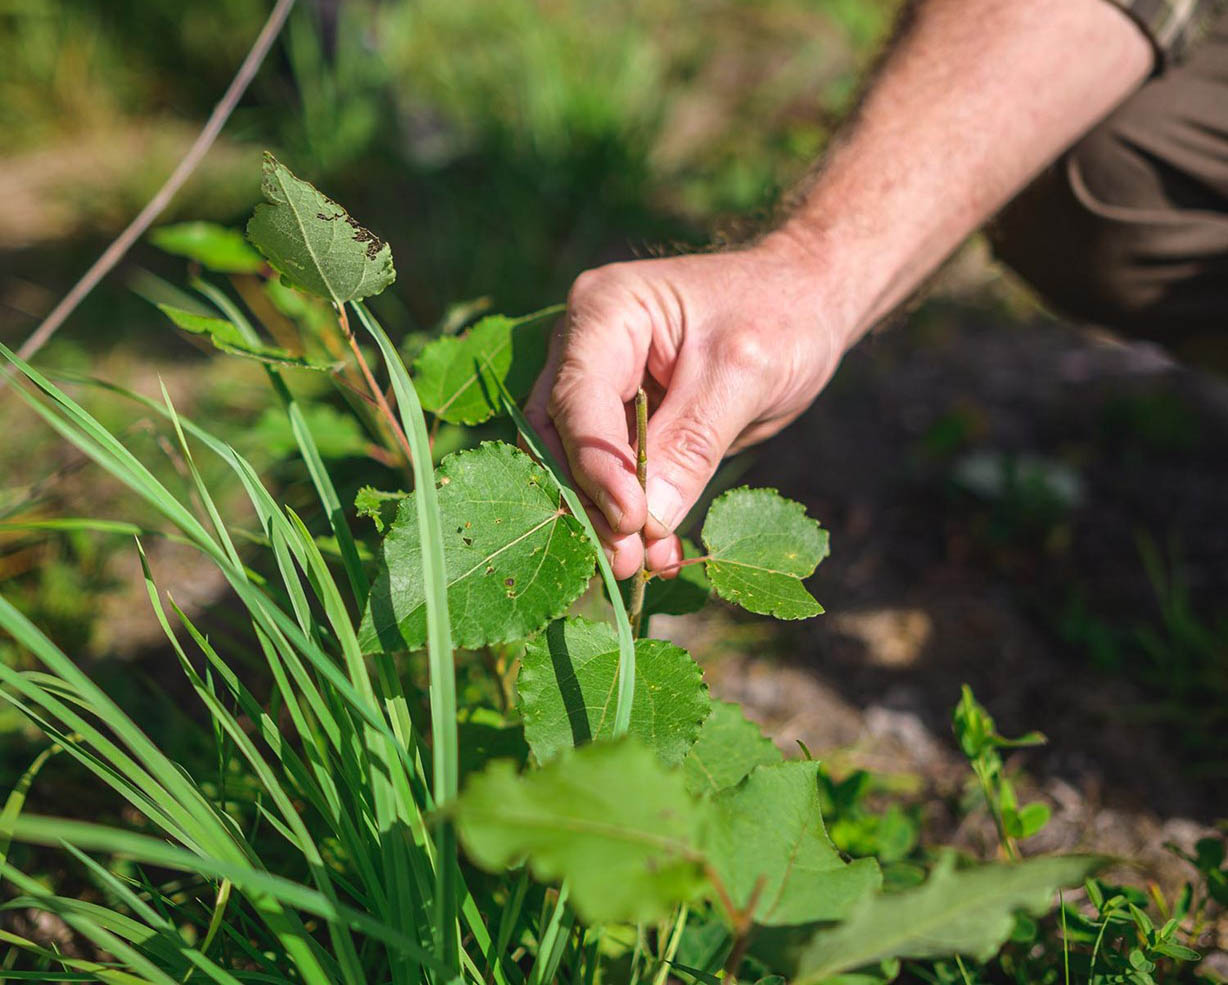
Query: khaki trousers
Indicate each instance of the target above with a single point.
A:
(1129, 229)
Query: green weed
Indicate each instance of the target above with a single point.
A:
(614, 824)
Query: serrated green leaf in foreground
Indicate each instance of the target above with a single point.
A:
(760, 547)
(567, 684)
(515, 558)
(608, 818)
(447, 375)
(728, 747)
(313, 242)
(767, 833)
(969, 912)
(227, 338)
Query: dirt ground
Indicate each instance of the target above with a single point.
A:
(1038, 601)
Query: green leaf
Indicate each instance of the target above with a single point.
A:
(378, 505)
(727, 749)
(515, 558)
(226, 337)
(767, 833)
(1027, 820)
(486, 736)
(214, 247)
(761, 546)
(969, 912)
(336, 434)
(608, 818)
(447, 376)
(314, 243)
(567, 687)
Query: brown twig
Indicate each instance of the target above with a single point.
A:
(743, 921)
(641, 473)
(162, 198)
(677, 566)
(386, 411)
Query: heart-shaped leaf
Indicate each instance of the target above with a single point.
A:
(515, 558)
(567, 684)
(761, 546)
(313, 242)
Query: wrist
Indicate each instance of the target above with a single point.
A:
(840, 301)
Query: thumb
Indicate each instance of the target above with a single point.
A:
(708, 405)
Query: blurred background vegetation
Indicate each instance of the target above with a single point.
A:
(1012, 504)
(501, 148)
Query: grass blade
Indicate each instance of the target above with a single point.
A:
(622, 622)
(446, 757)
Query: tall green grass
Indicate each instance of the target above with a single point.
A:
(327, 862)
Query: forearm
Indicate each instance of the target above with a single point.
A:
(976, 97)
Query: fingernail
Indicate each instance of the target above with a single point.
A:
(665, 503)
(613, 512)
(609, 555)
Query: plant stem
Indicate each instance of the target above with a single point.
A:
(703, 558)
(641, 473)
(380, 401)
(671, 948)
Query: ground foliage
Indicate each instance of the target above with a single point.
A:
(326, 849)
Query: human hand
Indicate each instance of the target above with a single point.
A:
(731, 348)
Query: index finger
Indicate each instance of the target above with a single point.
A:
(593, 370)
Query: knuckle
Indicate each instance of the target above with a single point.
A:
(694, 446)
(745, 351)
(586, 286)
(569, 385)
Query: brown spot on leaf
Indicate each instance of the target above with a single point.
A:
(364, 235)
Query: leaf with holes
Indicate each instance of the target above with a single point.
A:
(727, 749)
(226, 338)
(608, 818)
(446, 371)
(767, 837)
(515, 558)
(313, 242)
(968, 912)
(567, 684)
(760, 547)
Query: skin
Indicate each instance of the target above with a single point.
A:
(974, 98)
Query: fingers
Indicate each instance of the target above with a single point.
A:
(663, 557)
(623, 551)
(712, 398)
(579, 403)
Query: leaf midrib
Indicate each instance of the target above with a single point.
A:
(574, 825)
(473, 377)
(306, 239)
(884, 943)
(553, 518)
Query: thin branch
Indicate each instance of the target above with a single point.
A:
(641, 473)
(676, 566)
(162, 198)
(385, 411)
